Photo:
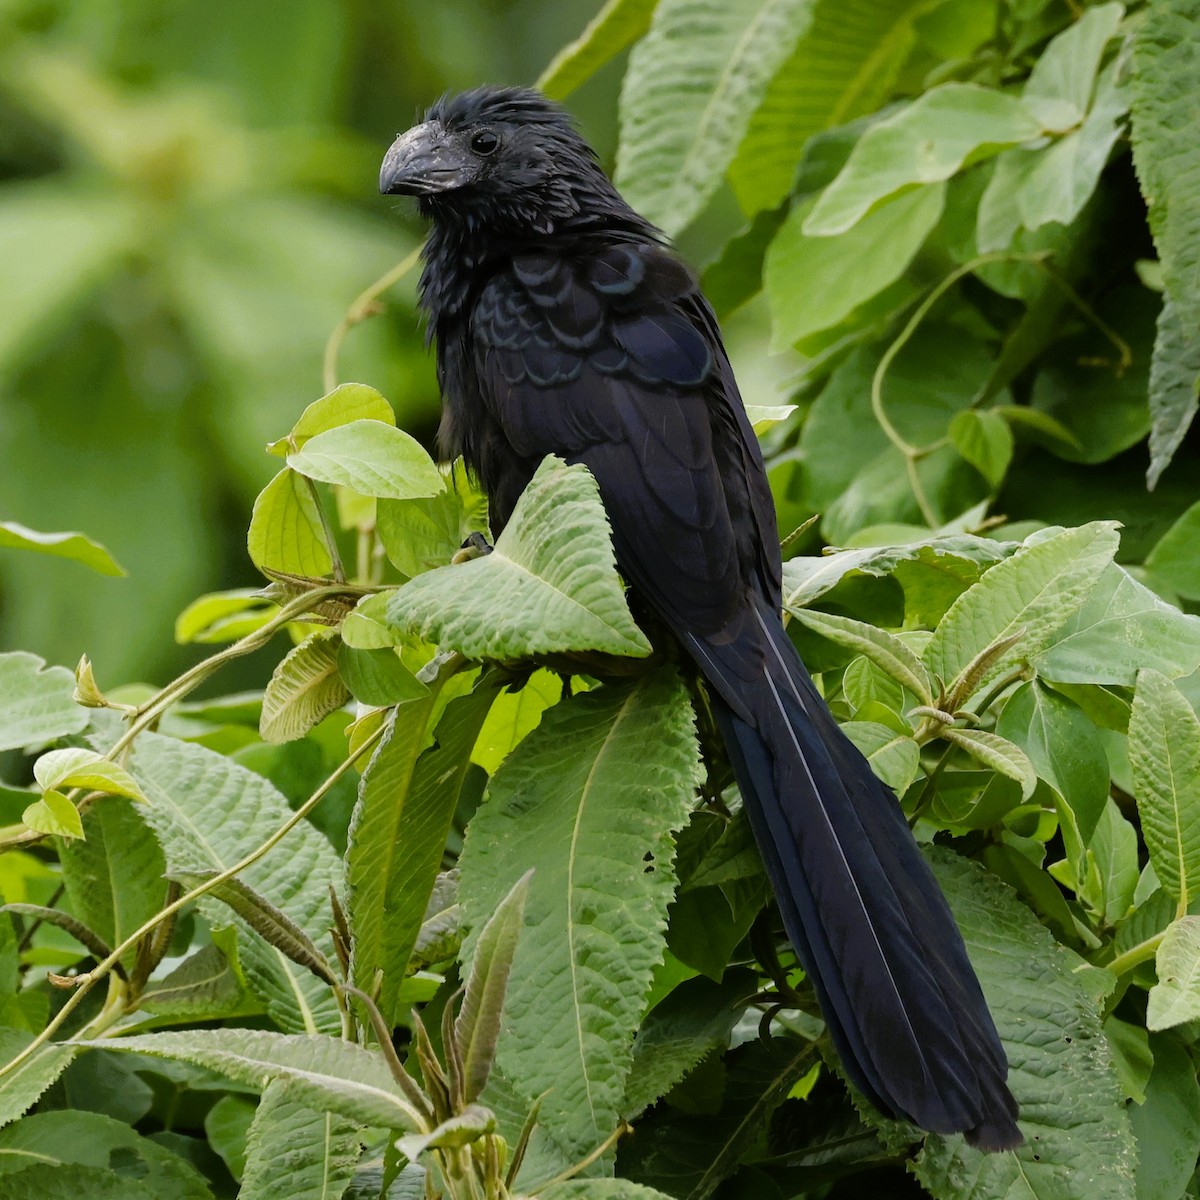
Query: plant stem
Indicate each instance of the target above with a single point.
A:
(1135, 955)
(335, 556)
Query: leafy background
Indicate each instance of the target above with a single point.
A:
(953, 244)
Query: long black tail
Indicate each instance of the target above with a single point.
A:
(860, 904)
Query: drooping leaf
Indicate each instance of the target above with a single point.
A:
(204, 987)
(36, 703)
(549, 584)
(285, 529)
(223, 616)
(54, 814)
(617, 25)
(588, 799)
(347, 402)
(893, 756)
(683, 115)
(304, 689)
(1175, 998)
(23, 1084)
(371, 457)
(998, 753)
(76, 546)
(602, 1189)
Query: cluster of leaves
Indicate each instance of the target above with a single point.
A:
(465, 893)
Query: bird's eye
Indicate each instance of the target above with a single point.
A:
(485, 142)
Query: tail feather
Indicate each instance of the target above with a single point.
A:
(860, 904)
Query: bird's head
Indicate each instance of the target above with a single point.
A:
(504, 158)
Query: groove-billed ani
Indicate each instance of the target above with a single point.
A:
(565, 326)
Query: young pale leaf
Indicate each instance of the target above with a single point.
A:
(884, 649)
(371, 457)
(617, 25)
(223, 616)
(814, 283)
(25, 1083)
(76, 546)
(1175, 998)
(893, 756)
(1077, 1136)
(1165, 76)
(1164, 754)
(1036, 591)
(998, 753)
(285, 529)
(296, 1151)
(347, 402)
(208, 813)
(80, 768)
(1059, 88)
(984, 440)
(513, 715)
(55, 815)
(926, 141)
(477, 1027)
(460, 1130)
(326, 1073)
(549, 585)
(589, 800)
(425, 533)
(684, 114)
(36, 702)
(304, 689)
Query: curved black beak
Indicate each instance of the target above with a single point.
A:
(421, 162)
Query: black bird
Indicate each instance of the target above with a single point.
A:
(564, 325)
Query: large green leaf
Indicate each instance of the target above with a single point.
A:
(692, 85)
(285, 529)
(372, 457)
(1167, 1125)
(208, 813)
(21, 1086)
(842, 67)
(347, 402)
(588, 800)
(1077, 1136)
(1164, 753)
(549, 585)
(76, 546)
(36, 702)
(615, 26)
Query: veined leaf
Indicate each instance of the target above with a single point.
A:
(1166, 75)
(894, 757)
(588, 799)
(371, 457)
(347, 402)
(204, 987)
(998, 753)
(684, 114)
(223, 616)
(1164, 754)
(76, 546)
(285, 529)
(617, 25)
(1175, 998)
(549, 585)
(25, 1083)
(304, 689)
(326, 1073)
(427, 532)
(54, 814)
(985, 440)
(36, 703)
(81, 768)
(602, 1189)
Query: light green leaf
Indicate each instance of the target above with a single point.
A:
(1164, 753)
(1065, 72)
(1166, 79)
(1035, 591)
(894, 757)
(1122, 627)
(1175, 559)
(512, 716)
(36, 704)
(427, 532)
(377, 677)
(997, 753)
(549, 585)
(765, 416)
(618, 24)
(684, 114)
(843, 67)
(602, 1189)
(80, 768)
(304, 689)
(54, 814)
(462, 1129)
(1110, 879)
(68, 1182)
(985, 440)
(347, 402)
(1175, 998)
(204, 987)
(326, 1073)
(884, 649)
(371, 457)
(926, 141)
(365, 627)
(589, 799)
(1167, 1125)
(1077, 1136)
(25, 1083)
(285, 529)
(223, 616)
(209, 813)
(814, 283)
(296, 1151)
(76, 546)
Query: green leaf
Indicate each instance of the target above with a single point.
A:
(406, 802)
(1164, 753)
(427, 532)
(204, 987)
(296, 1151)
(549, 585)
(223, 616)
(226, 1125)
(54, 814)
(1175, 998)
(347, 402)
(815, 283)
(512, 716)
(1166, 76)
(441, 931)
(684, 114)
(1167, 1125)
(79, 768)
(285, 529)
(462, 1129)
(1077, 1137)
(304, 689)
(617, 25)
(371, 457)
(925, 142)
(327, 1073)
(985, 440)
(25, 1083)
(477, 1027)
(1060, 85)
(1175, 559)
(68, 1182)
(377, 677)
(997, 753)
(208, 813)
(843, 67)
(602, 1189)
(1122, 627)
(1035, 592)
(589, 799)
(894, 757)
(76, 546)
(36, 703)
